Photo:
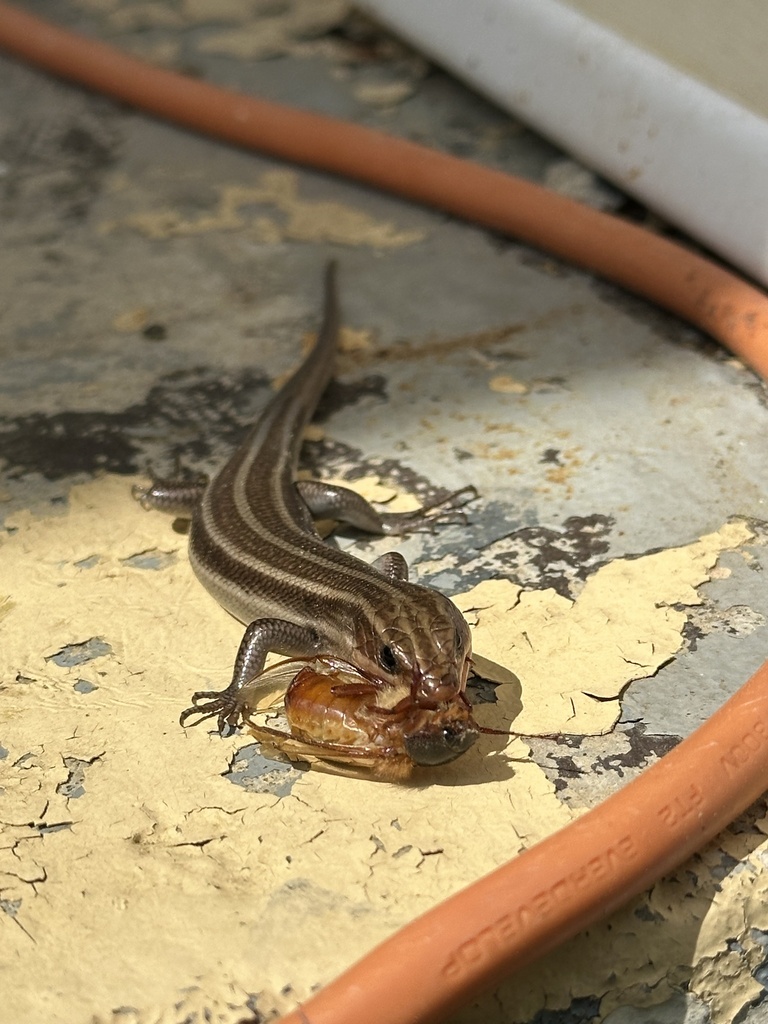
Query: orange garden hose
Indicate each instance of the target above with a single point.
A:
(556, 888)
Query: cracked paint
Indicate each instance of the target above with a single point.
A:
(154, 875)
(159, 817)
(567, 661)
(135, 820)
(259, 774)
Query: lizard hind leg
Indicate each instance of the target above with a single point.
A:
(330, 501)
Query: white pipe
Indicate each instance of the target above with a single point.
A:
(695, 157)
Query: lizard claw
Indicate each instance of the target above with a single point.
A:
(451, 508)
(209, 703)
(443, 512)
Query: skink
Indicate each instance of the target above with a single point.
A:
(254, 546)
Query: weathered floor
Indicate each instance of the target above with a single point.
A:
(152, 287)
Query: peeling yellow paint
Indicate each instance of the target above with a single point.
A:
(573, 658)
(202, 11)
(305, 220)
(263, 30)
(383, 94)
(353, 339)
(180, 890)
(492, 450)
(160, 849)
(506, 385)
(266, 36)
(313, 432)
(131, 320)
(562, 474)
(6, 606)
(129, 17)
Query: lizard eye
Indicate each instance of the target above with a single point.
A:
(387, 659)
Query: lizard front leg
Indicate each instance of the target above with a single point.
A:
(260, 638)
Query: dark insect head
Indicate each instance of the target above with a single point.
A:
(438, 744)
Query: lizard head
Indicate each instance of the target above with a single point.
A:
(419, 644)
(419, 640)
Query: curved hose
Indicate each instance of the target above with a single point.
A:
(555, 889)
(694, 288)
(552, 891)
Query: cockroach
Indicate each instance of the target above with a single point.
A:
(335, 714)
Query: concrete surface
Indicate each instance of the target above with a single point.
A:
(618, 431)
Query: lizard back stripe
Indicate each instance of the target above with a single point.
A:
(252, 543)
